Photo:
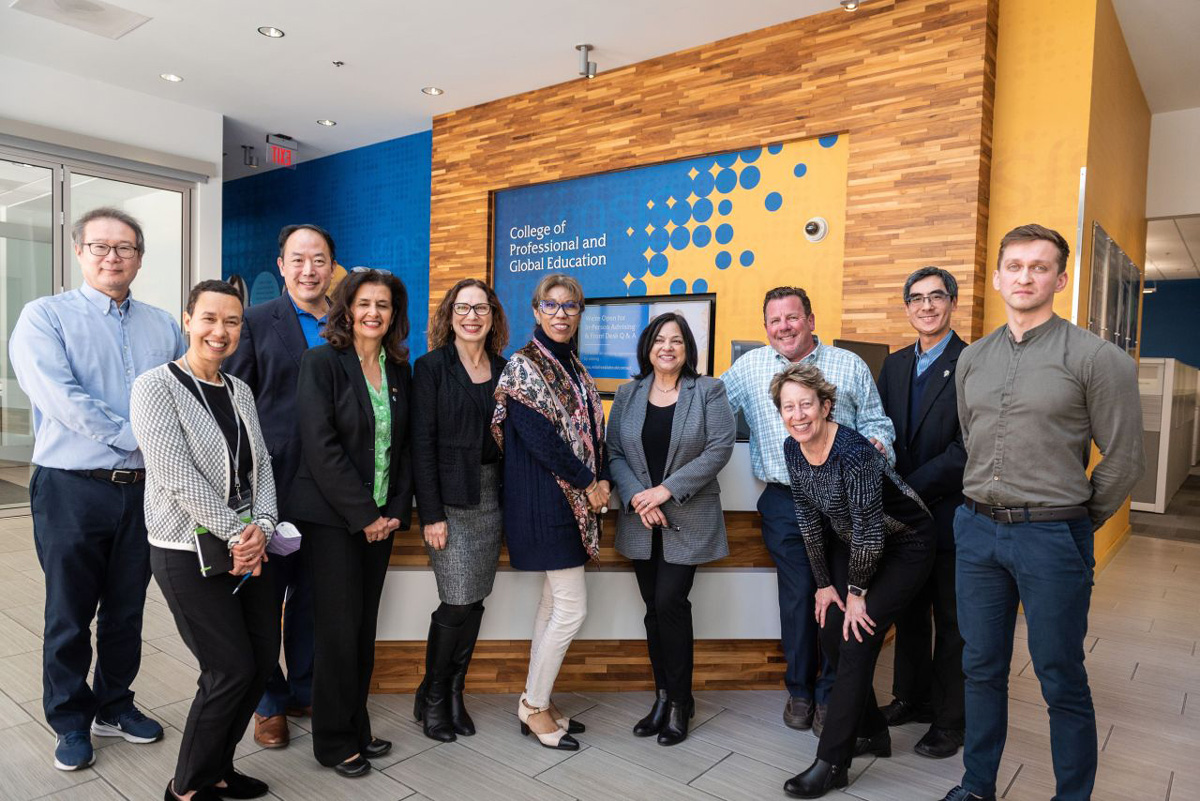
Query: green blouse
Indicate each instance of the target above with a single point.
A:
(382, 409)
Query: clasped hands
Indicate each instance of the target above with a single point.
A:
(855, 609)
(379, 530)
(250, 552)
(597, 495)
(646, 504)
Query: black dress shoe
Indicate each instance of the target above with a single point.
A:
(377, 748)
(651, 724)
(675, 730)
(959, 794)
(879, 744)
(239, 785)
(898, 712)
(575, 727)
(798, 713)
(353, 768)
(939, 743)
(203, 794)
(820, 778)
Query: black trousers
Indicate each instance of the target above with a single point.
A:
(665, 589)
(853, 710)
(235, 638)
(90, 536)
(924, 676)
(347, 580)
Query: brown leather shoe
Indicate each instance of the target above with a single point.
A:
(271, 732)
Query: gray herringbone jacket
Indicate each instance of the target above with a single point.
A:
(187, 461)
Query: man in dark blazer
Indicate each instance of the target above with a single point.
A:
(274, 337)
(916, 385)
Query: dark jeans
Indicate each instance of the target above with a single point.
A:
(235, 638)
(798, 629)
(853, 710)
(924, 676)
(669, 640)
(292, 581)
(347, 579)
(1047, 567)
(91, 541)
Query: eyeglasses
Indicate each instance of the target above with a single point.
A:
(463, 309)
(934, 298)
(102, 249)
(551, 307)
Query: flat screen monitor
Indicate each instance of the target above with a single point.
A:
(873, 353)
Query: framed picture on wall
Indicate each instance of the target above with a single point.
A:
(1116, 292)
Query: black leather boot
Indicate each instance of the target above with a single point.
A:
(468, 633)
(675, 729)
(652, 724)
(879, 744)
(435, 708)
(820, 778)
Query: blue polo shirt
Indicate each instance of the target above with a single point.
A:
(310, 325)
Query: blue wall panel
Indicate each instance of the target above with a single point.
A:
(374, 200)
(1169, 321)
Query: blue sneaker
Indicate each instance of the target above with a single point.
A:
(74, 751)
(131, 724)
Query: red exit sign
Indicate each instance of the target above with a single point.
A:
(281, 156)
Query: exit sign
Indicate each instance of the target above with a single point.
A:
(280, 155)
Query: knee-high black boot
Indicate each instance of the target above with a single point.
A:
(433, 696)
(468, 633)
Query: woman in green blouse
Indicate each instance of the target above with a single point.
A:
(351, 493)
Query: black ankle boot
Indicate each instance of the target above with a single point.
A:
(435, 705)
(879, 744)
(820, 778)
(468, 633)
(652, 724)
(675, 729)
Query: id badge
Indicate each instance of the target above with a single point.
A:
(242, 504)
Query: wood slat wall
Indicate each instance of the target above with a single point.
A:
(911, 81)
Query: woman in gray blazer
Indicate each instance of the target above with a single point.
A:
(670, 432)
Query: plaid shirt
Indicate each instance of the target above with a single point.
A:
(858, 405)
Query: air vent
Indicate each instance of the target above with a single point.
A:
(92, 16)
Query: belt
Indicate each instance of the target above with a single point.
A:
(1026, 514)
(115, 476)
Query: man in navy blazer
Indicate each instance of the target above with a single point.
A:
(916, 385)
(274, 337)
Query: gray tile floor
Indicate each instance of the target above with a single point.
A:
(1145, 624)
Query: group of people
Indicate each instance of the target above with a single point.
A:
(261, 464)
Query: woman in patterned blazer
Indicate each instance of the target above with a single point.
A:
(208, 475)
(670, 432)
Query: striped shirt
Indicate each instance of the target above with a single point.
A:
(926, 358)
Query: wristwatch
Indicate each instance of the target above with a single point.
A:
(858, 591)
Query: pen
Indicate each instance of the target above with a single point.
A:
(240, 583)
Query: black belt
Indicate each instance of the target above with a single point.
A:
(1027, 514)
(115, 476)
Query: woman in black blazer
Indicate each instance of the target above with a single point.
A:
(352, 491)
(457, 473)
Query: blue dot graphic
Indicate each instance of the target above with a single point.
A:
(774, 149)
(724, 260)
(703, 184)
(726, 181)
(680, 238)
(659, 240)
(679, 287)
(660, 215)
(828, 141)
(681, 212)
(750, 156)
(750, 177)
(701, 236)
(699, 286)
(747, 258)
(727, 159)
(702, 209)
(658, 264)
(773, 201)
(724, 233)
(637, 288)
(638, 267)
(800, 169)
(725, 206)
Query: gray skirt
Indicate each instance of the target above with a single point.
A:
(466, 567)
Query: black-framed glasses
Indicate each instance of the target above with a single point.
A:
(480, 309)
(551, 307)
(935, 298)
(102, 249)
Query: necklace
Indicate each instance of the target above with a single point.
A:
(667, 391)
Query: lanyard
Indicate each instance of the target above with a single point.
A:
(237, 455)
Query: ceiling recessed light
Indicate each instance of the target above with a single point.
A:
(170, 76)
(433, 91)
(850, 5)
(327, 123)
(270, 32)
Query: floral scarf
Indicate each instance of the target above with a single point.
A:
(535, 379)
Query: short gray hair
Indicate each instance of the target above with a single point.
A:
(108, 213)
(948, 281)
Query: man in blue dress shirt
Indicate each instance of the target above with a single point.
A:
(76, 356)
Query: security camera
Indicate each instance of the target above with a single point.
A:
(816, 229)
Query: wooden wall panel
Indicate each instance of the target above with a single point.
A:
(911, 81)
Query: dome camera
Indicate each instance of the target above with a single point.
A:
(816, 229)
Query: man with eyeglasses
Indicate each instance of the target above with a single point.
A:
(917, 388)
(76, 356)
(275, 335)
(789, 323)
